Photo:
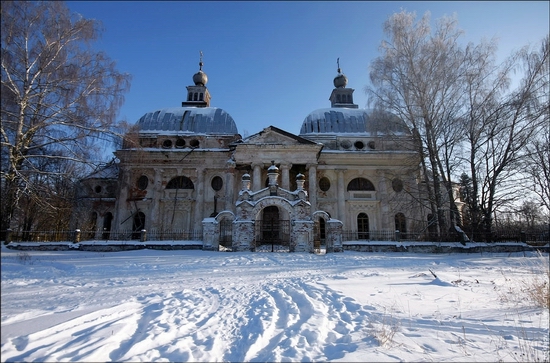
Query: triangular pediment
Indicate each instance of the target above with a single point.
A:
(275, 136)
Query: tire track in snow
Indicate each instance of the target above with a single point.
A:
(293, 319)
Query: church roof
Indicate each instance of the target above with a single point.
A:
(196, 120)
(338, 120)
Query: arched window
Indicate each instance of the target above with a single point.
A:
(201, 96)
(360, 184)
(93, 225)
(363, 226)
(190, 96)
(107, 221)
(180, 182)
(138, 225)
(195, 96)
(400, 223)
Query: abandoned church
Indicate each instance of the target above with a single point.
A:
(186, 173)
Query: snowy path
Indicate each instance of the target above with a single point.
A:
(208, 306)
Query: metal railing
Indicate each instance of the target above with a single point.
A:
(120, 235)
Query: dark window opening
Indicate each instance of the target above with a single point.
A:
(142, 182)
(107, 221)
(397, 185)
(138, 225)
(180, 143)
(360, 184)
(400, 223)
(363, 226)
(217, 183)
(180, 182)
(324, 184)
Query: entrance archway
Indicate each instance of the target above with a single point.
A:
(272, 233)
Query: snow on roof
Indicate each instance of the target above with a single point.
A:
(341, 120)
(197, 120)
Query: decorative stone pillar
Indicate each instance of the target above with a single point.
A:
(313, 187)
(341, 196)
(300, 180)
(245, 180)
(273, 174)
(257, 177)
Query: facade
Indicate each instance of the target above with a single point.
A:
(351, 173)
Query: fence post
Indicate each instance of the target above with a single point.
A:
(8, 235)
(76, 236)
(143, 236)
(397, 235)
(523, 237)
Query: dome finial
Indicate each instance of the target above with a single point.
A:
(340, 81)
(200, 77)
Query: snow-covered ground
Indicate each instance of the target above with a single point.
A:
(150, 305)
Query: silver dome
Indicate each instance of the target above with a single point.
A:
(352, 120)
(196, 120)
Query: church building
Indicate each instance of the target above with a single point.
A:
(186, 173)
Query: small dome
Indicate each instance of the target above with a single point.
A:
(200, 78)
(196, 120)
(273, 168)
(340, 81)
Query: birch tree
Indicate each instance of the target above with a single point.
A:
(417, 77)
(59, 99)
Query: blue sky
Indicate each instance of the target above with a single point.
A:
(273, 62)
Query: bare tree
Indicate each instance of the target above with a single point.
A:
(458, 102)
(501, 125)
(417, 77)
(537, 162)
(59, 99)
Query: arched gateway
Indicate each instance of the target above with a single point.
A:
(271, 219)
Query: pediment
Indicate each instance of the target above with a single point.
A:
(275, 136)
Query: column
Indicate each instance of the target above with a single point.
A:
(285, 178)
(121, 211)
(154, 218)
(313, 187)
(257, 177)
(199, 201)
(341, 196)
(229, 189)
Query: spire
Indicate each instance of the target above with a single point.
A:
(198, 95)
(341, 96)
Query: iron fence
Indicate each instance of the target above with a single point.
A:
(533, 236)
